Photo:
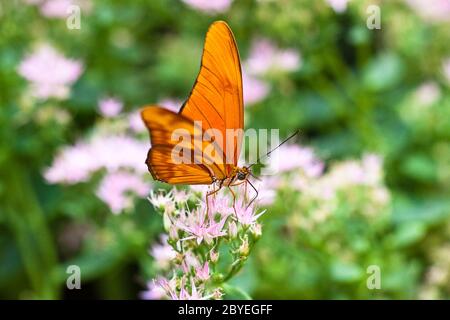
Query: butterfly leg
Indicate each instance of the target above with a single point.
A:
(231, 184)
(256, 190)
(234, 199)
(245, 191)
(210, 193)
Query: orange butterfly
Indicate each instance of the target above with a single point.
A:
(217, 101)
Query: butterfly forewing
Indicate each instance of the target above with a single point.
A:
(216, 98)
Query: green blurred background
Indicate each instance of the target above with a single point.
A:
(350, 90)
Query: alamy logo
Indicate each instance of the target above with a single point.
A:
(374, 19)
(74, 278)
(74, 17)
(374, 279)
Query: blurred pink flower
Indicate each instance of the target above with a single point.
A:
(446, 69)
(373, 167)
(116, 187)
(59, 8)
(265, 56)
(368, 172)
(135, 122)
(110, 107)
(50, 73)
(171, 104)
(209, 6)
(267, 187)
(55, 8)
(255, 90)
(431, 10)
(33, 2)
(291, 157)
(76, 163)
(163, 253)
(428, 93)
(120, 151)
(153, 292)
(72, 165)
(338, 6)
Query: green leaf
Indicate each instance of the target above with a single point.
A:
(345, 272)
(384, 72)
(408, 234)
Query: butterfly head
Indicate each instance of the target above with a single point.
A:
(242, 173)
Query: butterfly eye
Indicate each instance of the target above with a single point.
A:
(241, 176)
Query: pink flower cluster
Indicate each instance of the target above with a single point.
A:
(59, 8)
(338, 6)
(286, 159)
(135, 122)
(115, 189)
(342, 177)
(255, 90)
(431, 10)
(110, 107)
(295, 167)
(119, 155)
(265, 57)
(210, 6)
(291, 156)
(189, 254)
(76, 163)
(368, 172)
(50, 73)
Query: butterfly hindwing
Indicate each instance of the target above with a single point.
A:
(197, 168)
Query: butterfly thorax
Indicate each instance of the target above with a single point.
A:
(237, 173)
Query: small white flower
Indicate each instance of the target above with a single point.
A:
(160, 200)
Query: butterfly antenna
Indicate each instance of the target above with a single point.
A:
(251, 174)
(268, 153)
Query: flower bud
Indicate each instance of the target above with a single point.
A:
(166, 221)
(232, 230)
(217, 294)
(173, 233)
(256, 231)
(213, 256)
(244, 249)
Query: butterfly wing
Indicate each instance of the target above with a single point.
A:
(164, 165)
(216, 98)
